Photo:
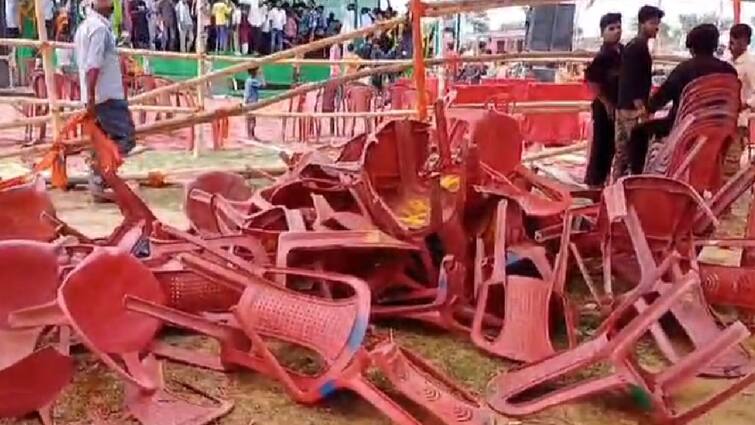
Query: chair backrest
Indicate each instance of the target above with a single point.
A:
(359, 98)
(334, 327)
(397, 153)
(231, 186)
(21, 212)
(499, 141)
(720, 91)
(665, 208)
(29, 272)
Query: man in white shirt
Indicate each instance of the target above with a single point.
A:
(255, 19)
(185, 25)
(277, 22)
(366, 19)
(102, 83)
(265, 41)
(11, 18)
(740, 37)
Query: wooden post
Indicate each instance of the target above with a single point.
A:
(419, 62)
(47, 64)
(200, 50)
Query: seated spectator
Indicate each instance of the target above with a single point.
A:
(702, 42)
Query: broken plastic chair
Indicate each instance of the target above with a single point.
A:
(231, 186)
(507, 393)
(91, 301)
(528, 312)
(332, 326)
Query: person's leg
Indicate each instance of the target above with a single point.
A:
(626, 120)
(734, 153)
(602, 147)
(645, 143)
(182, 38)
(114, 118)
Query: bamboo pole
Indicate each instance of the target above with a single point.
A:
(257, 62)
(419, 63)
(372, 114)
(47, 65)
(200, 53)
(451, 7)
(550, 153)
(531, 57)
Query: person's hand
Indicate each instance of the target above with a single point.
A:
(642, 114)
(744, 107)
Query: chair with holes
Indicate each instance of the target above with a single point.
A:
(613, 344)
(524, 330)
(330, 318)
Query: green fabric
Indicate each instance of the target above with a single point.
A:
(117, 20)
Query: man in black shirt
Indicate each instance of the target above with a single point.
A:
(635, 80)
(602, 75)
(702, 42)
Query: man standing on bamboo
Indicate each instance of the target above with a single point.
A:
(635, 81)
(102, 83)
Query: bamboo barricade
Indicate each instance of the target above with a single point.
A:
(419, 63)
(452, 7)
(206, 117)
(551, 153)
(257, 62)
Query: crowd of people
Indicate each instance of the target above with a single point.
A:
(625, 104)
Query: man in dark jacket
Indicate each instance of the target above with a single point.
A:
(603, 77)
(702, 42)
(635, 80)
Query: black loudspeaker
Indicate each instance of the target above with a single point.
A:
(550, 27)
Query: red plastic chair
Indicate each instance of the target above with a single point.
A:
(500, 147)
(359, 98)
(33, 383)
(29, 277)
(94, 308)
(524, 333)
(231, 186)
(22, 209)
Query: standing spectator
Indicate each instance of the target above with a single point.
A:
(49, 13)
(252, 88)
(221, 12)
(64, 63)
(322, 23)
(101, 83)
(235, 24)
(349, 18)
(152, 22)
(256, 19)
(185, 25)
(245, 32)
(602, 75)
(334, 25)
(11, 19)
(635, 81)
(138, 11)
(266, 39)
(291, 30)
(740, 37)
(167, 13)
(277, 23)
(365, 19)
